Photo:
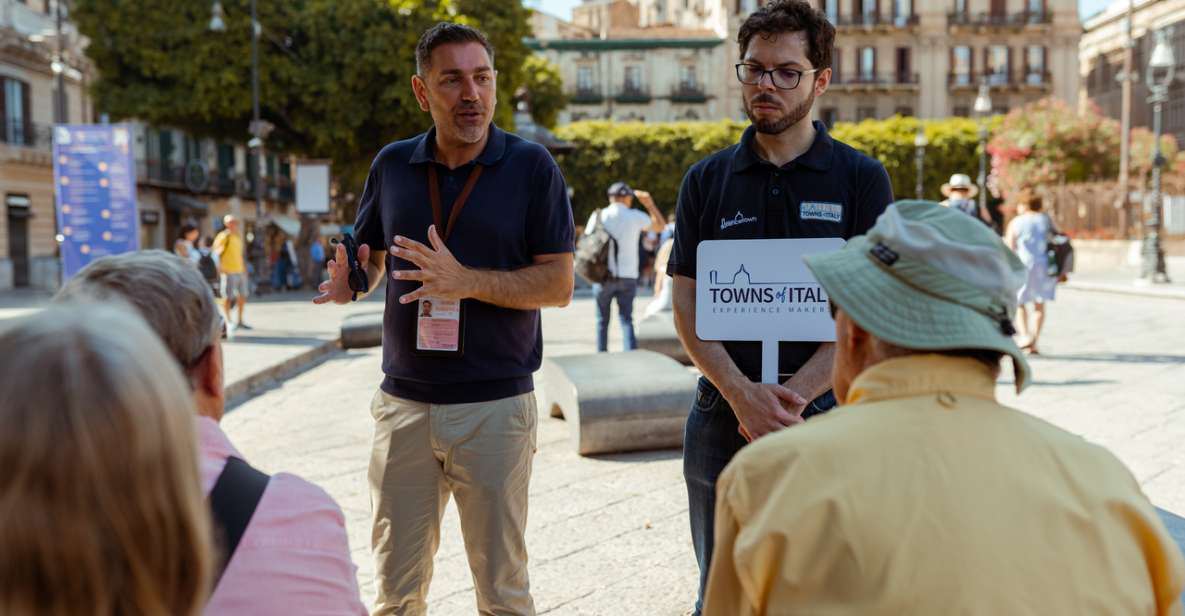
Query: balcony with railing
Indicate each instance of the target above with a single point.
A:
(1036, 78)
(21, 134)
(632, 93)
(994, 79)
(998, 20)
(869, 81)
(588, 95)
(874, 20)
(688, 93)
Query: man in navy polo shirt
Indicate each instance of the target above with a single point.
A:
(475, 227)
(787, 178)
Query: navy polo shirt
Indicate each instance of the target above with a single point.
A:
(830, 191)
(518, 209)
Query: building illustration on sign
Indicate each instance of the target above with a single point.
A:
(741, 289)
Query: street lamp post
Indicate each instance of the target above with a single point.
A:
(983, 107)
(1161, 69)
(920, 143)
(255, 145)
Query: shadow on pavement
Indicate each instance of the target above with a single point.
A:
(640, 456)
(1119, 358)
(276, 338)
(1069, 383)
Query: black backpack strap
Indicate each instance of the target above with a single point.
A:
(233, 501)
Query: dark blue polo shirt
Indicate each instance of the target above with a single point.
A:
(830, 191)
(518, 209)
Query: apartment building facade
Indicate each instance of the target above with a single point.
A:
(924, 58)
(179, 178)
(614, 67)
(1101, 61)
(29, 106)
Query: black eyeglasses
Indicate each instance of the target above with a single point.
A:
(782, 78)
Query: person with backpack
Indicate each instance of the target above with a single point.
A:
(623, 227)
(283, 542)
(1028, 236)
(207, 264)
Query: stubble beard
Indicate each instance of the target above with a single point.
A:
(777, 126)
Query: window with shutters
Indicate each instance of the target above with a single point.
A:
(961, 66)
(867, 66)
(17, 115)
(996, 65)
(831, 9)
(1035, 65)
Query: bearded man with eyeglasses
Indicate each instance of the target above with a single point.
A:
(787, 178)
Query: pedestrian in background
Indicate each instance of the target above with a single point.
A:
(186, 244)
(1028, 236)
(232, 265)
(625, 226)
(101, 508)
(293, 541)
(921, 494)
(960, 194)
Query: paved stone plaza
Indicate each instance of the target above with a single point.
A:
(609, 535)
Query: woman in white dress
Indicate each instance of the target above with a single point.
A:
(1028, 235)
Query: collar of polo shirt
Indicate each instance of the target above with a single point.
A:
(493, 152)
(818, 157)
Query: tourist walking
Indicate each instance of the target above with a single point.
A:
(625, 227)
(1028, 235)
(960, 195)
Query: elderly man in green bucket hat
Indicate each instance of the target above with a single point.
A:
(921, 494)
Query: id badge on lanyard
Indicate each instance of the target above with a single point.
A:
(440, 323)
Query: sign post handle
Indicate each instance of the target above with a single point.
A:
(769, 362)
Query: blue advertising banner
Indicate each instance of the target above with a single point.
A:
(95, 177)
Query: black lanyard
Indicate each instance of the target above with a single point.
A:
(434, 197)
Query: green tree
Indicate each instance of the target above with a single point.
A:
(544, 89)
(335, 75)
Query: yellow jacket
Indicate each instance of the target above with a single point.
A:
(922, 495)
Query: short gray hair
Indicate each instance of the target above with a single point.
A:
(446, 33)
(169, 292)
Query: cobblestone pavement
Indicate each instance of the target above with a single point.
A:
(609, 535)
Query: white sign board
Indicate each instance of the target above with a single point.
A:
(761, 290)
(312, 187)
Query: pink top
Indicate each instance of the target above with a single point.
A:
(294, 557)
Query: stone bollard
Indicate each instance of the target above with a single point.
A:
(616, 402)
(360, 331)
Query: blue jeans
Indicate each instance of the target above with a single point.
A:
(710, 440)
(623, 290)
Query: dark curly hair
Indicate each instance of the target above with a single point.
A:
(445, 33)
(784, 16)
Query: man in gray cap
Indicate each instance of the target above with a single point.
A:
(921, 494)
(625, 226)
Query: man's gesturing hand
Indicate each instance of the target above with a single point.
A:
(443, 276)
(762, 408)
(337, 288)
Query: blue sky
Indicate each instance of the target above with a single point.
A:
(563, 8)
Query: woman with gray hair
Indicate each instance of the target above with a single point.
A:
(292, 555)
(101, 508)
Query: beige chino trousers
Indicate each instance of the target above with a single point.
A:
(480, 453)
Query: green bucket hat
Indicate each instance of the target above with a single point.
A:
(928, 278)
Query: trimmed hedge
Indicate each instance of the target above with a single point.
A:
(655, 156)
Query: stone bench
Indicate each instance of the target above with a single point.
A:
(657, 333)
(360, 331)
(616, 402)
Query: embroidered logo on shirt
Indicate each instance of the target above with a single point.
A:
(818, 210)
(739, 219)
